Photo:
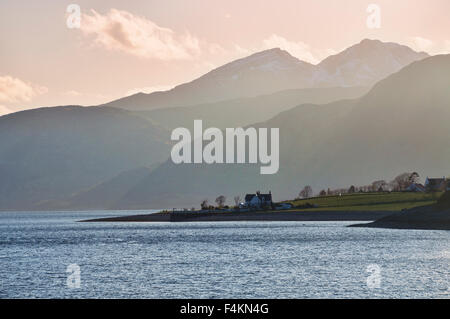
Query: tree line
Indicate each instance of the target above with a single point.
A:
(400, 183)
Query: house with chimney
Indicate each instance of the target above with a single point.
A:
(258, 200)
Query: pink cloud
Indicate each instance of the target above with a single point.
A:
(13, 90)
(430, 46)
(122, 31)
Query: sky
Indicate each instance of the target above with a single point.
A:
(49, 57)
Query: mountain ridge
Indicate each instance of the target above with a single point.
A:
(275, 70)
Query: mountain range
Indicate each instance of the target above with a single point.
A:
(335, 129)
(275, 70)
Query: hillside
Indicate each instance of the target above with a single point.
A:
(51, 153)
(434, 216)
(376, 201)
(100, 196)
(245, 111)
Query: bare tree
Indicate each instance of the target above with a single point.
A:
(403, 181)
(414, 178)
(237, 200)
(204, 204)
(306, 192)
(377, 185)
(220, 201)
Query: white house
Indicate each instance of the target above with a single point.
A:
(436, 184)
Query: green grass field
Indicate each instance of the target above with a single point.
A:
(370, 201)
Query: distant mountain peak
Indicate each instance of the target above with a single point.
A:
(373, 44)
(367, 41)
(269, 60)
(367, 61)
(274, 52)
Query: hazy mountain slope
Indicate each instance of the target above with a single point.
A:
(50, 153)
(245, 111)
(233, 113)
(103, 195)
(275, 70)
(400, 125)
(186, 185)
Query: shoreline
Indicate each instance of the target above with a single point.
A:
(420, 218)
(430, 217)
(250, 216)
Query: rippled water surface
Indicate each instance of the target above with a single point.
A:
(216, 260)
